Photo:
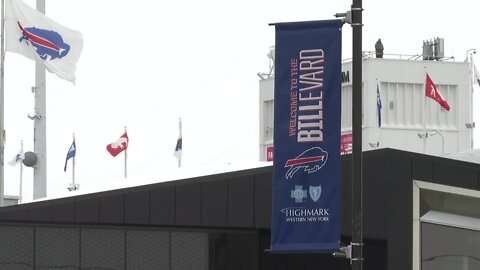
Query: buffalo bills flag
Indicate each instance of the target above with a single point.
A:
(33, 35)
(306, 174)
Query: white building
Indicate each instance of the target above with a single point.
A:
(409, 120)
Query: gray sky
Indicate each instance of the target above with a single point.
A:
(147, 63)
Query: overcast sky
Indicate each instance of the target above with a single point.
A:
(146, 63)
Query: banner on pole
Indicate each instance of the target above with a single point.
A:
(306, 177)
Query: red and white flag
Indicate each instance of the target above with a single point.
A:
(432, 92)
(117, 147)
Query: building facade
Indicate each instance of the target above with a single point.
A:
(409, 120)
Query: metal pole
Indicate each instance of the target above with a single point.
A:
(125, 176)
(425, 133)
(357, 201)
(180, 137)
(125, 167)
(21, 174)
(2, 106)
(73, 163)
(471, 74)
(40, 126)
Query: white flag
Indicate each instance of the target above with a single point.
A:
(18, 157)
(31, 34)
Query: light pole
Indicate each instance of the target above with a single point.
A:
(357, 169)
(355, 250)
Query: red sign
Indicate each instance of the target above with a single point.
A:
(270, 153)
(346, 141)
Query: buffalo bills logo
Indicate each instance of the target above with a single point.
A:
(47, 43)
(310, 161)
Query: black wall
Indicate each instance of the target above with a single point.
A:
(232, 200)
(242, 200)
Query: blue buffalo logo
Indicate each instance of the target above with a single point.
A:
(48, 44)
(311, 160)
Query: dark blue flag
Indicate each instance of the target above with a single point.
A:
(70, 154)
(379, 106)
(306, 177)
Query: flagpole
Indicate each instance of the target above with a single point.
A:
(180, 133)
(379, 112)
(21, 174)
(125, 167)
(40, 125)
(73, 164)
(471, 82)
(424, 135)
(2, 106)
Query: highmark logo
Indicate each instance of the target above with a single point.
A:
(302, 214)
(299, 194)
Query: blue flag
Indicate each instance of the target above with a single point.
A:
(70, 154)
(306, 177)
(379, 106)
(178, 146)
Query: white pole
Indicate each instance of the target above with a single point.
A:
(425, 134)
(2, 106)
(40, 126)
(471, 82)
(73, 163)
(125, 176)
(125, 167)
(21, 174)
(180, 137)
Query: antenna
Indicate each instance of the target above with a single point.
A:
(271, 67)
(433, 49)
(271, 57)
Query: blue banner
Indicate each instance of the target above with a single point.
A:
(306, 177)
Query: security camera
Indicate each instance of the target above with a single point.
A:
(261, 76)
(33, 116)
